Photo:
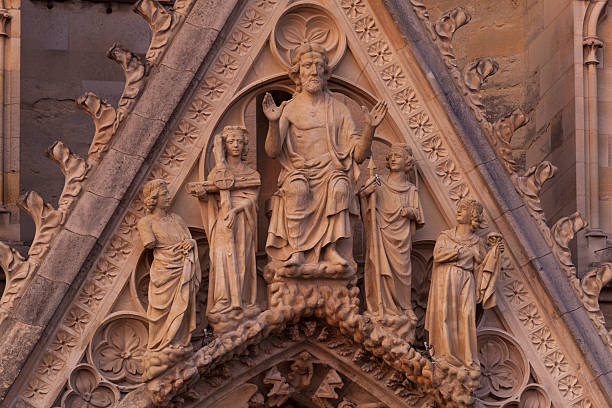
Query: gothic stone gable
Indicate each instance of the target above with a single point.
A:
(84, 283)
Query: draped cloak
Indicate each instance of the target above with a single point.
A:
(451, 308)
(174, 281)
(388, 268)
(325, 218)
(244, 231)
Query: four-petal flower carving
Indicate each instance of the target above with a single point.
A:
(447, 172)
(434, 148)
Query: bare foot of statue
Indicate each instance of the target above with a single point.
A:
(296, 259)
(333, 256)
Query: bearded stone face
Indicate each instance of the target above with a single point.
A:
(312, 72)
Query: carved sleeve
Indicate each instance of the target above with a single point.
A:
(415, 203)
(146, 232)
(445, 250)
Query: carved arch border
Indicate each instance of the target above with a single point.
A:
(418, 112)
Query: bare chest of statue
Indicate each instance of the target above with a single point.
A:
(308, 131)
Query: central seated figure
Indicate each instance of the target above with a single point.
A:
(314, 138)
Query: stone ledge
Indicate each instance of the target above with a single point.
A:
(114, 174)
(40, 301)
(66, 255)
(163, 92)
(17, 341)
(211, 13)
(192, 46)
(138, 135)
(81, 221)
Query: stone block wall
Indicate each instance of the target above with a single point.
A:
(532, 40)
(63, 56)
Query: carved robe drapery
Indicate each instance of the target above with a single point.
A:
(458, 270)
(388, 269)
(174, 281)
(245, 235)
(309, 226)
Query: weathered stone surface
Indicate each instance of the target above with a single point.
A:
(81, 221)
(69, 252)
(138, 135)
(40, 301)
(17, 340)
(114, 175)
(165, 88)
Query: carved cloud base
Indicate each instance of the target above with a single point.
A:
(230, 320)
(277, 271)
(402, 326)
(157, 362)
(332, 303)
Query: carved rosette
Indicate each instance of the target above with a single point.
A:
(118, 347)
(307, 24)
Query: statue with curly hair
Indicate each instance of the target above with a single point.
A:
(464, 273)
(174, 280)
(315, 140)
(391, 212)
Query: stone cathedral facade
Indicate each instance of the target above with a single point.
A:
(318, 203)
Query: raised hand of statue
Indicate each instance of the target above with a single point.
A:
(374, 117)
(272, 112)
